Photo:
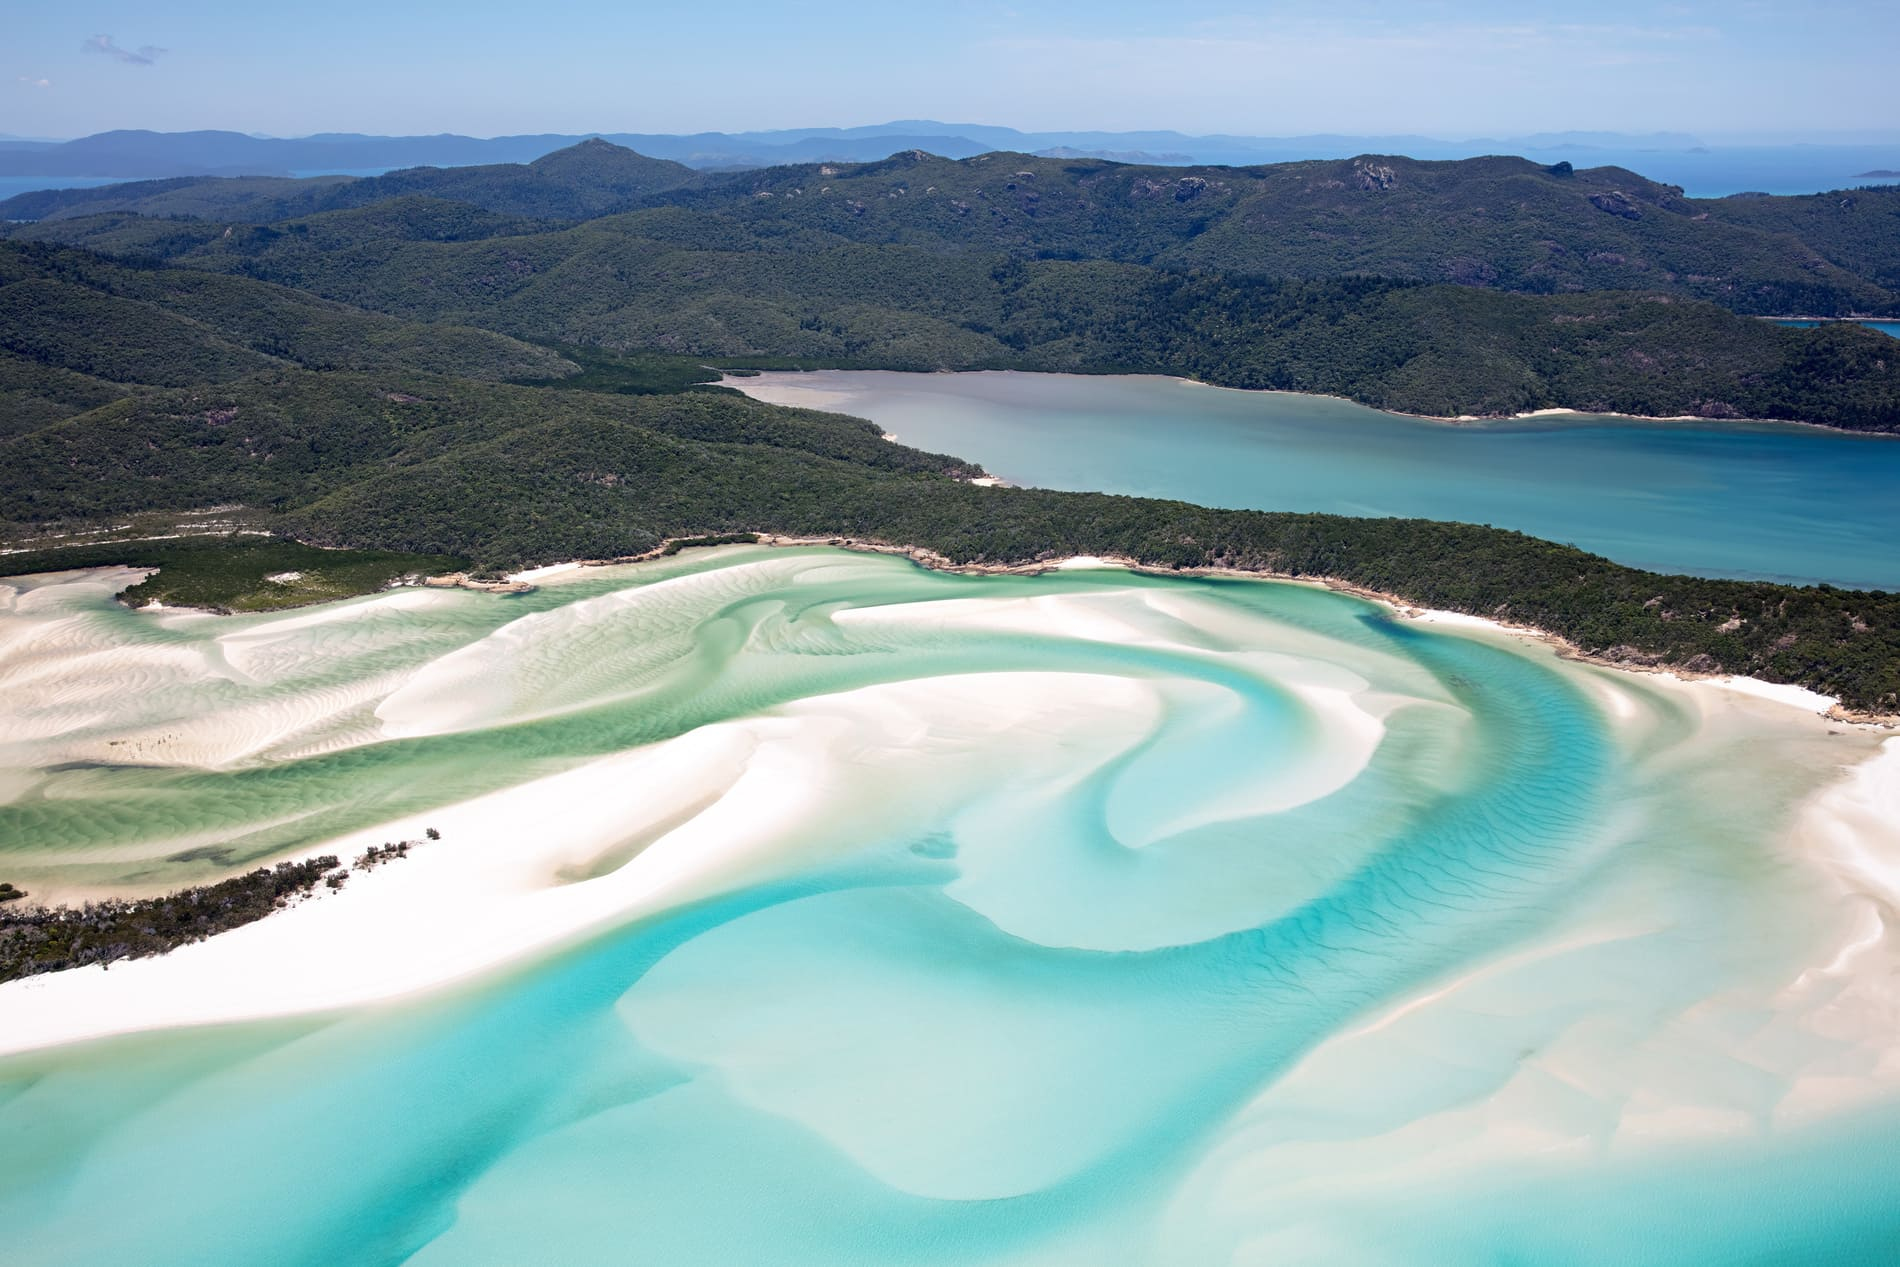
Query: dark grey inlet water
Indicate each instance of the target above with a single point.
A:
(1756, 500)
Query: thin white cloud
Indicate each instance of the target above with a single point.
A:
(105, 45)
(31, 82)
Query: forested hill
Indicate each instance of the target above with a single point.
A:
(1496, 223)
(78, 331)
(1500, 223)
(703, 284)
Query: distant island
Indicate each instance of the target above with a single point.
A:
(1881, 173)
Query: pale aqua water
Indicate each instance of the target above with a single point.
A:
(1716, 499)
(1452, 1012)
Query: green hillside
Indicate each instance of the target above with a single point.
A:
(1500, 223)
(1497, 223)
(693, 284)
(1854, 229)
(77, 330)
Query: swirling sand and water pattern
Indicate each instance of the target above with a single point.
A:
(1088, 918)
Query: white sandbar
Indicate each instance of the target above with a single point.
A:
(500, 884)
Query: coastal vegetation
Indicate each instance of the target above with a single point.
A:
(234, 572)
(36, 939)
(721, 539)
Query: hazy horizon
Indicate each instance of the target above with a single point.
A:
(1763, 72)
(1665, 138)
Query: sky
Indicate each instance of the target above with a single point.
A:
(1446, 68)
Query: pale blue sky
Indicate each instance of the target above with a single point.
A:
(1438, 67)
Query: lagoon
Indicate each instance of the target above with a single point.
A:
(1754, 500)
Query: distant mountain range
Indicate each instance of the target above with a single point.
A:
(1708, 170)
(149, 154)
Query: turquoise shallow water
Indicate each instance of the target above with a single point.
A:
(1765, 501)
(1143, 977)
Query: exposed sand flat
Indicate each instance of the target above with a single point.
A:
(1058, 615)
(784, 389)
(78, 690)
(542, 573)
(302, 722)
(63, 589)
(1462, 620)
(1855, 825)
(492, 889)
(1343, 732)
(1780, 692)
(572, 657)
(1332, 724)
(476, 898)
